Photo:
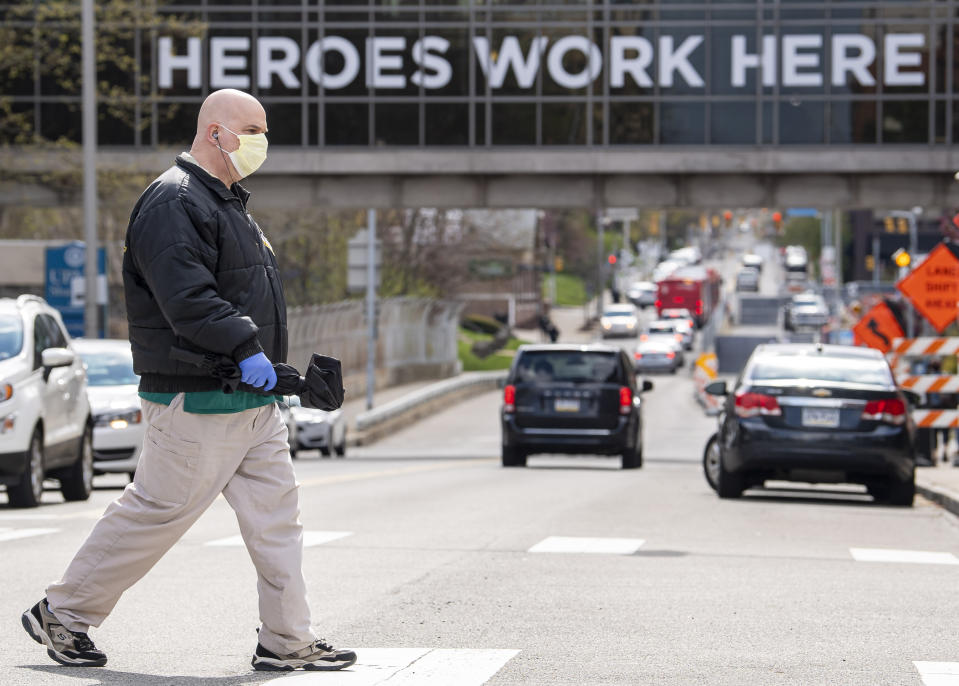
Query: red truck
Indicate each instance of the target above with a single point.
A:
(695, 288)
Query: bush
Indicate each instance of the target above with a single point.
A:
(480, 323)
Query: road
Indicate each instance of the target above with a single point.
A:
(434, 563)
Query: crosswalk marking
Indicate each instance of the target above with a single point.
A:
(310, 538)
(409, 667)
(938, 673)
(572, 544)
(909, 556)
(7, 534)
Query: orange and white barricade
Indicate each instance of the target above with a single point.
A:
(704, 373)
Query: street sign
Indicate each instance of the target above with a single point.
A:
(933, 287)
(878, 329)
(64, 283)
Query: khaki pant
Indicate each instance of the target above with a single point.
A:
(187, 461)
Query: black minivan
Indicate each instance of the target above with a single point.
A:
(572, 399)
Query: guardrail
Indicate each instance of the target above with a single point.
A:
(380, 421)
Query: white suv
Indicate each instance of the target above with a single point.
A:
(45, 425)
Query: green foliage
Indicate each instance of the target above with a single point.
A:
(499, 360)
(804, 231)
(481, 324)
(570, 290)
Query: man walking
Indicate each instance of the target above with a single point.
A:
(199, 274)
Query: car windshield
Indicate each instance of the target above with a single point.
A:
(569, 366)
(662, 328)
(618, 313)
(11, 336)
(109, 369)
(818, 368)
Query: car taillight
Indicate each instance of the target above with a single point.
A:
(679, 337)
(888, 410)
(689, 323)
(753, 404)
(659, 303)
(625, 400)
(670, 355)
(509, 398)
(699, 307)
(638, 356)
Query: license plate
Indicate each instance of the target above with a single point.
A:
(566, 405)
(813, 416)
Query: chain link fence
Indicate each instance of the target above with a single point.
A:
(416, 339)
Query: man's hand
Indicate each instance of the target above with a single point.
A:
(257, 371)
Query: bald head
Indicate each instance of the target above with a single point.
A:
(224, 114)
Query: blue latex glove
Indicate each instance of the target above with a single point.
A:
(258, 372)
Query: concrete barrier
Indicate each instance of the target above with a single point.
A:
(374, 424)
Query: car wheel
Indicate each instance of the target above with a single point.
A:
(131, 475)
(324, 452)
(28, 491)
(292, 452)
(340, 448)
(711, 459)
(632, 458)
(901, 493)
(729, 485)
(513, 457)
(77, 482)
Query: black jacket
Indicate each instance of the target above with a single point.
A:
(198, 274)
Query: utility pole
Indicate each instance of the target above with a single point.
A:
(370, 307)
(89, 125)
(600, 253)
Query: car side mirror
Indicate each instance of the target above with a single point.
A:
(912, 397)
(57, 357)
(716, 388)
(647, 385)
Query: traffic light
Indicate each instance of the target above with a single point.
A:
(902, 258)
(902, 224)
(778, 220)
(870, 263)
(890, 224)
(728, 218)
(611, 259)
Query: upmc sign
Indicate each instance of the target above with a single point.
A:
(801, 60)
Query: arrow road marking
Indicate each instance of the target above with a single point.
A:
(409, 667)
(310, 538)
(570, 544)
(938, 673)
(909, 556)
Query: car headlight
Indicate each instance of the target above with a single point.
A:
(119, 420)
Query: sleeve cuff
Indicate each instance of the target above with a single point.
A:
(247, 349)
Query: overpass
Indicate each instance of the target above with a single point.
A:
(702, 176)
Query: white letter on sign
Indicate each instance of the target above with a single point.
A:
(670, 61)
(220, 62)
(167, 62)
(858, 64)
(742, 60)
(793, 60)
(283, 66)
(424, 54)
(510, 56)
(896, 60)
(377, 61)
(620, 65)
(594, 61)
(351, 62)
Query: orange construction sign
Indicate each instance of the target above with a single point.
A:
(877, 329)
(933, 287)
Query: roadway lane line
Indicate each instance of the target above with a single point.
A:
(409, 667)
(938, 673)
(7, 534)
(907, 556)
(399, 471)
(310, 538)
(570, 544)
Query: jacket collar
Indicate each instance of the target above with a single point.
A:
(235, 192)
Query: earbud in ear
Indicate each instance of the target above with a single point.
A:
(216, 135)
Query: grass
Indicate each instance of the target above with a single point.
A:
(501, 359)
(570, 290)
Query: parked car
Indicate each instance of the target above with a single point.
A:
(118, 424)
(657, 355)
(642, 294)
(816, 413)
(572, 399)
(619, 320)
(286, 413)
(806, 310)
(318, 429)
(46, 429)
(747, 279)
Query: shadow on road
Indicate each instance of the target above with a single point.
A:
(97, 676)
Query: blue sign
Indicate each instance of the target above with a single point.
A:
(802, 212)
(64, 279)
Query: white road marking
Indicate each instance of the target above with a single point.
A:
(409, 667)
(571, 544)
(909, 556)
(7, 534)
(310, 538)
(938, 673)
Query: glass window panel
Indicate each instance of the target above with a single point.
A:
(177, 124)
(347, 124)
(16, 123)
(479, 124)
(284, 122)
(769, 111)
(61, 120)
(629, 72)
(457, 59)
(116, 125)
(940, 122)
(682, 123)
(564, 124)
(19, 53)
(397, 124)
(514, 124)
(733, 123)
(801, 121)
(905, 122)
(852, 121)
(60, 61)
(631, 123)
(447, 124)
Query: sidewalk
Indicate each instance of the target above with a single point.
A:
(940, 484)
(569, 321)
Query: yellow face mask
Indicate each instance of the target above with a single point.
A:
(251, 153)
